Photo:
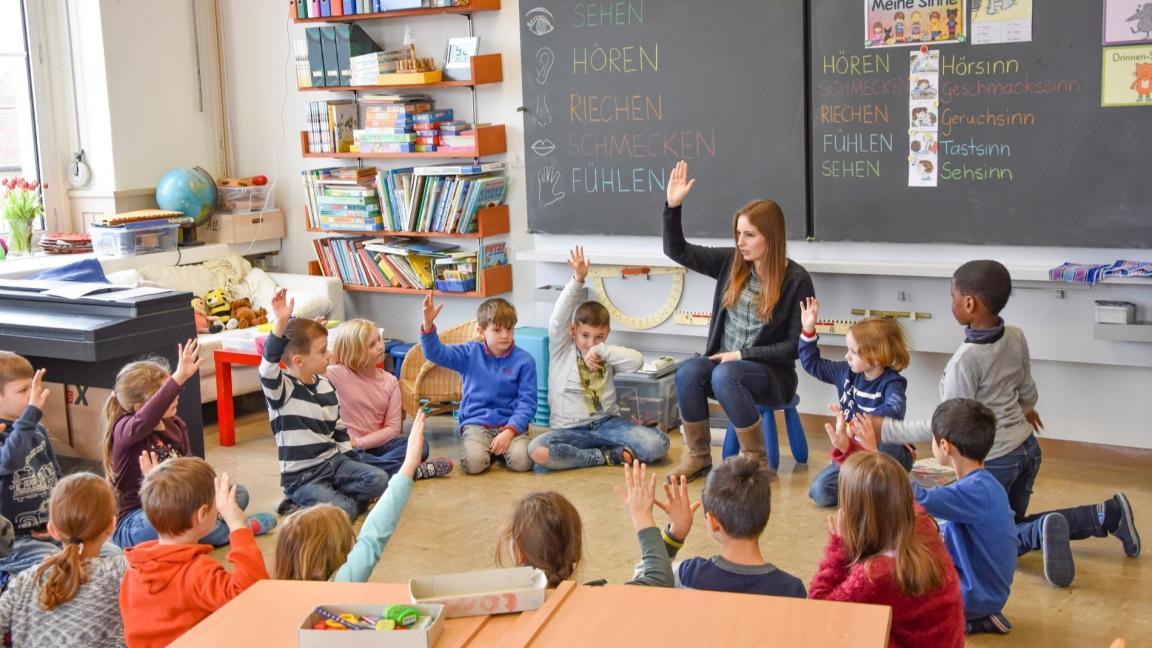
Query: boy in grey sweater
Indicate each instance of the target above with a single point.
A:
(993, 367)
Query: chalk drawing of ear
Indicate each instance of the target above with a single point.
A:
(539, 21)
(545, 59)
(541, 117)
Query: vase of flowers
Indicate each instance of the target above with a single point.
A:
(21, 204)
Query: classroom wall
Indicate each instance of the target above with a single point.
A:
(1079, 401)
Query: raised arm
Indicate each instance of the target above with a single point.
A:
(569, 299)
(705, 260)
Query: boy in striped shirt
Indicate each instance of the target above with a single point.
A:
(317, 463)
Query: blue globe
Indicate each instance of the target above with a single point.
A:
(191, 191)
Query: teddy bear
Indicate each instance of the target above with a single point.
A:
(218, 307)
(204, 322)
(246, 316)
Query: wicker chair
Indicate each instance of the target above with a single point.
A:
(421, 379)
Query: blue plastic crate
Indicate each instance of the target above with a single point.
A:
(456, 285)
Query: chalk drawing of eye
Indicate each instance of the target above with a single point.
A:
(545, 59)
(540, 21)
(543, 147)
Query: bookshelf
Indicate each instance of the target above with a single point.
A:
(491, 140)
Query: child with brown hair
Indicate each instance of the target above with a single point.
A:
(499, 385)
(141, 421)
(317, 464)
(72, 598)
(884, 549)
(318, 543)
(174, 583)
(370, 403)
(545, 531)
(867, 381)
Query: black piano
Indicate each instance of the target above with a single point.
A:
(82, 334)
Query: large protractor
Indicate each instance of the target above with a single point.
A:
(598, 274)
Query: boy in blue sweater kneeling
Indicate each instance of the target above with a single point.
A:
(499, 385)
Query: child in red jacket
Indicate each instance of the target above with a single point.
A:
(885, 550)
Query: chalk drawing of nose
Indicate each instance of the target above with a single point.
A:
(545, 59)
(541, 117)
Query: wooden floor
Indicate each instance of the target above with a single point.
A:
(450, 525)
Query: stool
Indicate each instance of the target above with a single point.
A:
(796, 440)
(398, 351)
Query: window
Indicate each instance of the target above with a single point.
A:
(19, 143)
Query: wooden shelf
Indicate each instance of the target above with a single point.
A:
(493, 222)
(493, 281)
(486, 69)
(472, 7)
(490, 140)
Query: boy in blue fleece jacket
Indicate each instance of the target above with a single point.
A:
(499, 386)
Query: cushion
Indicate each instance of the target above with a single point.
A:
(261, 287)
(84, 271)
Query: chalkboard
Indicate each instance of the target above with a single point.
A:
(617, 91)
(1026, 153)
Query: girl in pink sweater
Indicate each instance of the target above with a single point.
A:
(885, 550)
(370, 401)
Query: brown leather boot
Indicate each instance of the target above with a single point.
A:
(752, 441)
(696, 459)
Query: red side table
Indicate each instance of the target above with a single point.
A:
(225, 415)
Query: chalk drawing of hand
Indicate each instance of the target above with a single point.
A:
(549, 178)
(541, 117)
(545, 59)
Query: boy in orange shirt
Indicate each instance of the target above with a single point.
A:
(173, 583)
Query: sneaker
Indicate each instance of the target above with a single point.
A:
(434, 467)
(618, 456)
(261, 523)
(993, 623)
(287, 507)
(1126, 529)
(1059, 568)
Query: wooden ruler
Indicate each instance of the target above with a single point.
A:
(691, 318)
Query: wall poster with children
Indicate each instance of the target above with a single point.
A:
(891, 23)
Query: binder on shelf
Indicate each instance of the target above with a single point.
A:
(331, 62)
(325, 10)
(337, 7)
(351, 40)
(313, 8)
(301, 8)
(315, 57)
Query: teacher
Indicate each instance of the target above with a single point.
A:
(755, 331)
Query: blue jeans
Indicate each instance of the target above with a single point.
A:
(342, 482)
(133, 527)
(1016, 472)
(738, 385)
(580, 447)
(390, 456)
(825, 488)
(1083, 522)
(27, 552)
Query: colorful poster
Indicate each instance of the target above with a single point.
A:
(1126, 79)
(1001, 21)
(923, 117)
(1127, 21)
(894, 23)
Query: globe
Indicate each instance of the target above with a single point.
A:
(191, 191)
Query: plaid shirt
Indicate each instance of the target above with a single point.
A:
(743, 321)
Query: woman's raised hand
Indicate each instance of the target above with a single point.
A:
(678, 184)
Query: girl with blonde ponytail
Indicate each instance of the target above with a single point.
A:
(73, 597)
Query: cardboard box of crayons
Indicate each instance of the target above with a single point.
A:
(423, 634)
(495, 591)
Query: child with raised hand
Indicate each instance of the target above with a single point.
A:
(143, 429)
(545, 531)
(72, 598)
(867, 381)
(370, 403)
(318, 543)
(884, 549)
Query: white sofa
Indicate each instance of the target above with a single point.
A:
(315, 296)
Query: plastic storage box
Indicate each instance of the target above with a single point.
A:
(243, 199)
(648, 401)
(125, 241)
(456, 285)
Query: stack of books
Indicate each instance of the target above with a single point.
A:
(66, 243)
(402, 123)
(331, 126)
(367, 68)
(457, 136)
(343, 198)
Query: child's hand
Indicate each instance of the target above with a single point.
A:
(282, 307)
(415, 450)
(839, 435)
(679, 507)
(189, 362)
(727, 356)
(148, 462)
(500, 444)
(1033, 418)
(640, 495)
(38, 393)
(578, 263)
(431, 310)
(226, 503)
(867, 430)
(809, 313)
(593, 360)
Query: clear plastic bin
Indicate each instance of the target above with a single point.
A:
(648, 401)
(125, 242)
(243, 199)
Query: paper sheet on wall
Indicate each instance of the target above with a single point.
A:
(1001, 21)
(889, 24)
(1127, 21)
(923, 117)
(1126, 76)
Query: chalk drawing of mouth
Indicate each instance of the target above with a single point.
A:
(543, 147)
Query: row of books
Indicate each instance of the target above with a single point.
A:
(441, 199)
(331, 125)
(328, 8)
(379, 263)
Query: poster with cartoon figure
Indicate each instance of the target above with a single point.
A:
(924, 86)
(923, 117)
(894, 23)
(1001, 21)
(1126, 79)
(1127, 21)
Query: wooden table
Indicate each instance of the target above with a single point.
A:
(269, 613)
(225, 415)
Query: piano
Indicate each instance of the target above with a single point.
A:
(82, 334)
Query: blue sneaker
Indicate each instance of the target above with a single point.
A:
(1059, 567)
(1126, 528)
(993, 623)
(261, 523)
